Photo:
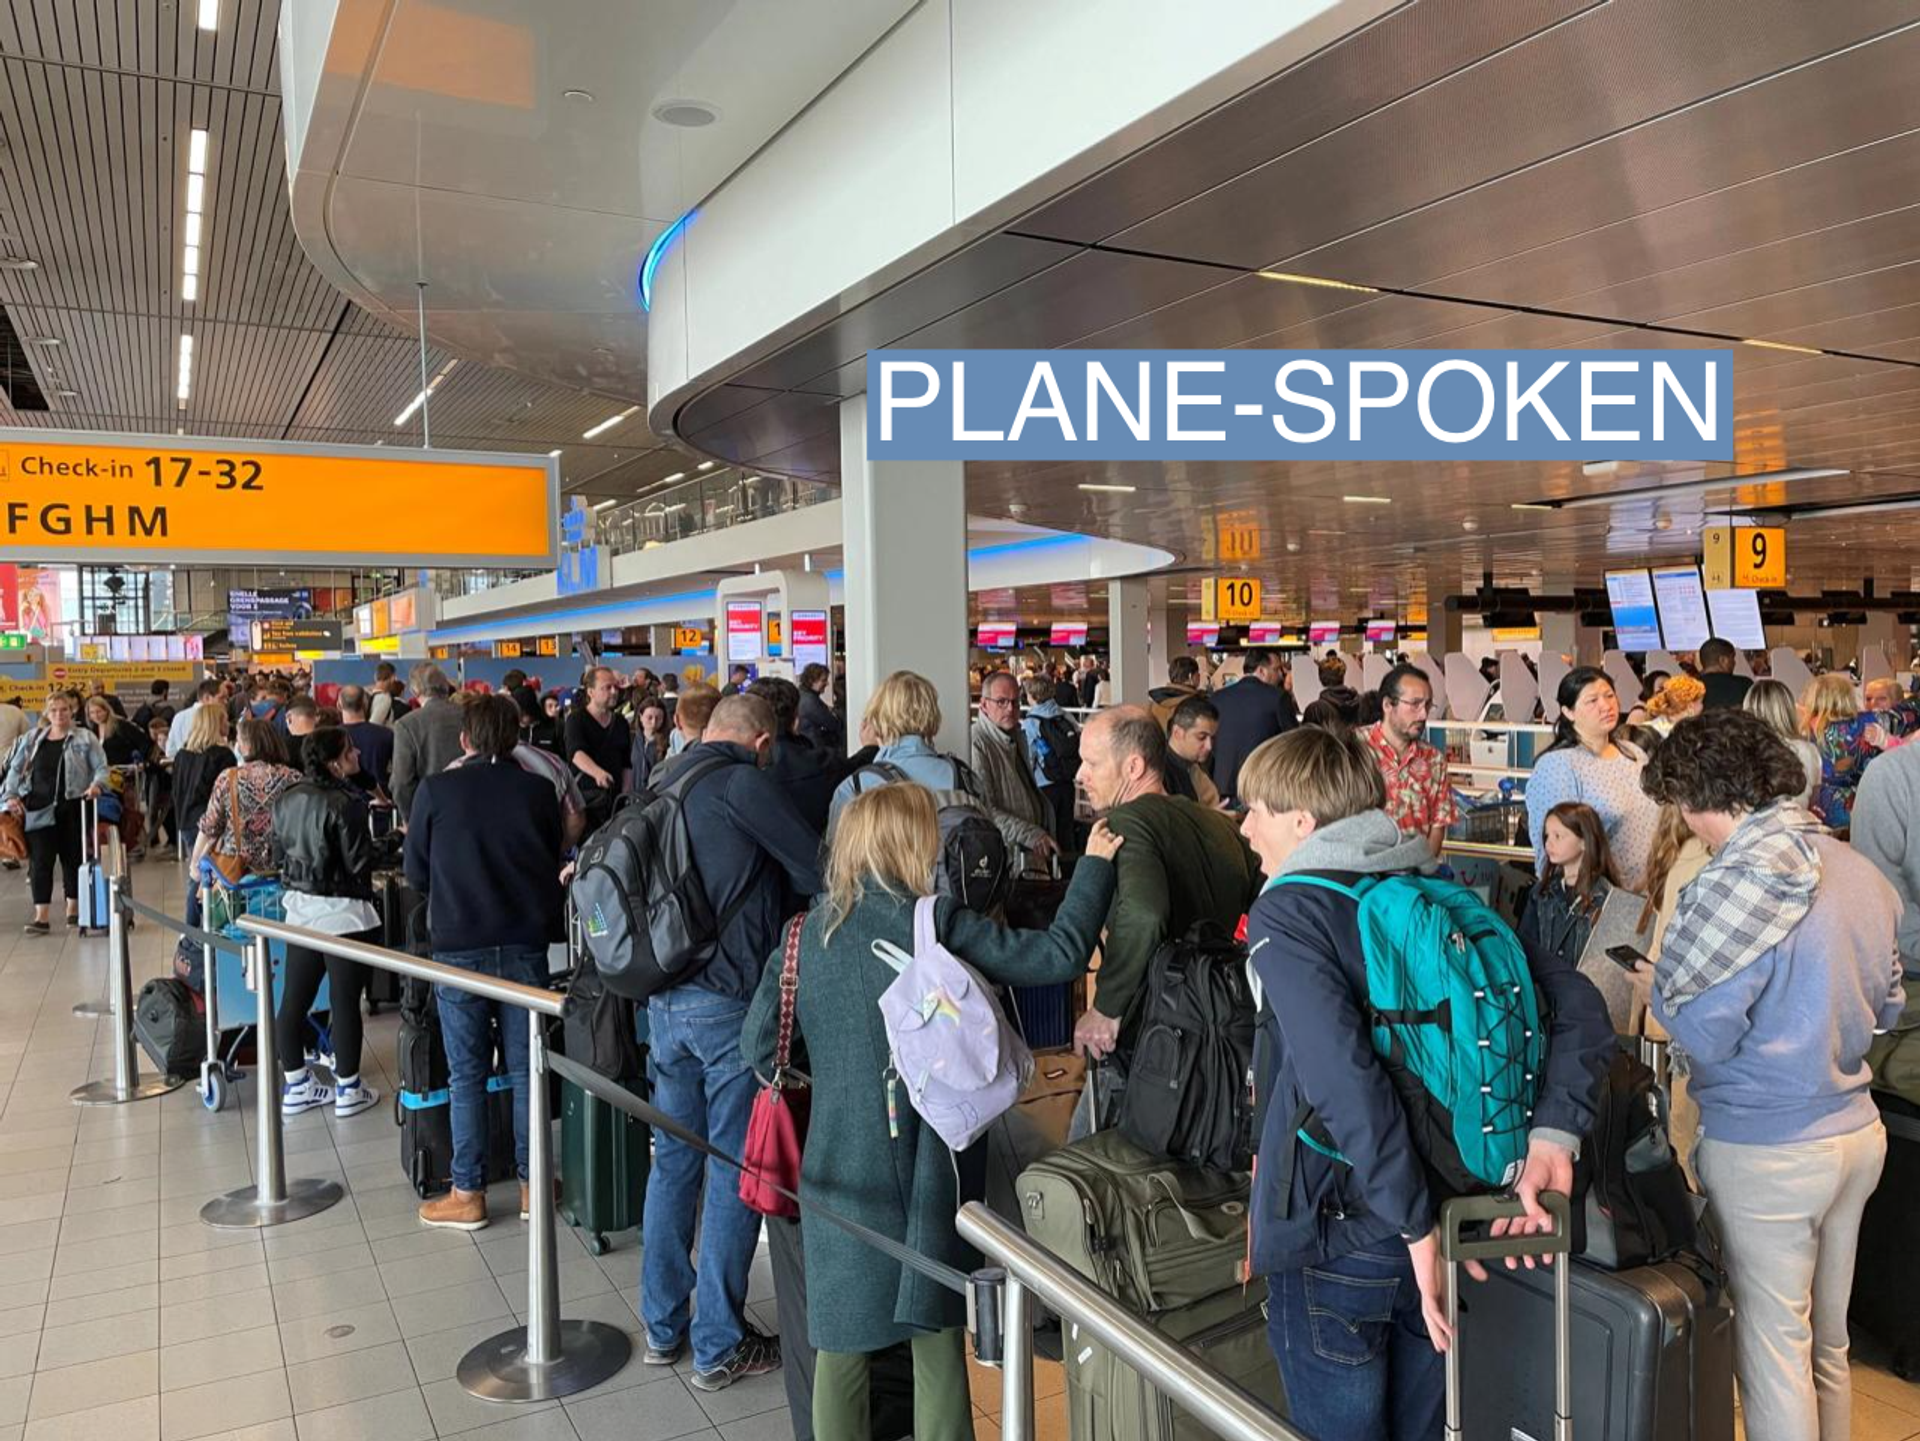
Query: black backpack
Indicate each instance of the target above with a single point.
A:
(1059, 749)
(1637, 1207)
(1189, 1069)
(974, 867)
(597, 1026)
(644, 913)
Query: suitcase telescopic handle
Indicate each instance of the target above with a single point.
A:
(1457, 1215)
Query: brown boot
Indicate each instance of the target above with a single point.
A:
(526, 1199)
(458, 1210)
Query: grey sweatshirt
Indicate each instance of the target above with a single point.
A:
(1886, 830)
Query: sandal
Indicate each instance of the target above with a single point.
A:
(37, 928)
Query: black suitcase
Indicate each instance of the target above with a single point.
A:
(1655, 1346)
(1886, 1271)
(402, 920)
(421, 1106)
(170, 1029)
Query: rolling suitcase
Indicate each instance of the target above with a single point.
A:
(1656, 1344)
(397, 903)
(605, 1155)
(422, 1104)
(1167, 1241)
(1886, 1271)
(94, 854)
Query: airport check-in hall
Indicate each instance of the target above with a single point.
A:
(959, 720)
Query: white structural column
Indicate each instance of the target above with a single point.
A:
(905, 526)
(1162, 644)
(1127, 640)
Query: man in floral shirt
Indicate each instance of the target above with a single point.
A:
(1418, 797)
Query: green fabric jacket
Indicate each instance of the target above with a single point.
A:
(906, 1188)
(1181, 863)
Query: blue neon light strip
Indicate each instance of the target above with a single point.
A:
(441, 637)
(656, 253)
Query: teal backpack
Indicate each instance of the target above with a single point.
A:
(1456, 1020)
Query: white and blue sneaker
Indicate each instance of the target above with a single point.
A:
(352, 1097)
(303, 1093)
(322, 1059)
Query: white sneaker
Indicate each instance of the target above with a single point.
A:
(303, 1095)
(352, 1100)
(322, 1059)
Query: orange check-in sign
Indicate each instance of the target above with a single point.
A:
(108, 497)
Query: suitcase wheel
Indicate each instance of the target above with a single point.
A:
(213, 1087)
(1906, 1364)
(596, 1244)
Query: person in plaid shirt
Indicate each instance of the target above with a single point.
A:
(1418, 796)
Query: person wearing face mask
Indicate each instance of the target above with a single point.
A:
(53, 769)
(1587, 763)
(758, 861)
(1182, 863)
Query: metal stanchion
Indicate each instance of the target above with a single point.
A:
(1016, 1378)
(126, 1084)
(272, 1200)
(547, 1357)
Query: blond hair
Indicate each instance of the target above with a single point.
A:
(1830, 698)
(207, 729)
(1676, 695)
(904, 704)
(1312, 769)
(888, 837)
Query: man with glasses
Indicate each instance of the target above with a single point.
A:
(1004, 766)
(1418, 797)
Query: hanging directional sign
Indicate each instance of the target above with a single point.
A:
(1749, 556)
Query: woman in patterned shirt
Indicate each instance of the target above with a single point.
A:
(263, 773)
(1587, 762)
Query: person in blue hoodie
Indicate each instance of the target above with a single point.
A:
(1780, 963)
(1349, 1244)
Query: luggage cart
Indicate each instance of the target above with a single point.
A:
(232, 1007)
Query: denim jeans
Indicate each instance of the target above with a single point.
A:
(1353, 1349)
(703, 1082)
(467, 1027)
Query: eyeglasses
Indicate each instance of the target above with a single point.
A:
(1426, 704)
(996, 700)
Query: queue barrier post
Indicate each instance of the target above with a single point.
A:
(270, 1201)
(126, 1083)
(548, 1357)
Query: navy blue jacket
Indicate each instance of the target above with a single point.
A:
(483, 845)
(751, 848)
(1305, 947)
(1251, 711)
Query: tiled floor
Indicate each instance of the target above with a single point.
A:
(123, 1318)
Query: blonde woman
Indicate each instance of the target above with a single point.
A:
(898, 1179)
(1773, 703)
(1681, 698)
(53, 768)
(1847, 738)
(902, 718)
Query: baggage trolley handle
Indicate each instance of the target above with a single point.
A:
(1456, 1216)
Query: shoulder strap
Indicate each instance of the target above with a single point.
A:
(789, 988)
(924, 936)
(964, 779)
(1303, 878)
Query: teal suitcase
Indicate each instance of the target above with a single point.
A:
(605, 1155)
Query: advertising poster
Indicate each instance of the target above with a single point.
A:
(744, 632)
(9, 598)
(38, 613)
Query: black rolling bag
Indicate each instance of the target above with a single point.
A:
(1654, 1347)
(422, 1105)
(1886, 1272)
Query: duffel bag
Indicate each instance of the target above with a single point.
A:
(170, 1028)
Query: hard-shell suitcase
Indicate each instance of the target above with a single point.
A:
(94, 872)
(605, 1155)
(1655, 1345)
(1167, 1241)
(1886, 1271)
(397, 903)
(422, 1104)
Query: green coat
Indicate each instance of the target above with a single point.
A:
(858, 1299)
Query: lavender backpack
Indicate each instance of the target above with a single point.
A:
(962, 1065)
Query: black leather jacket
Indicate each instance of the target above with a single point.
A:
(320, 834)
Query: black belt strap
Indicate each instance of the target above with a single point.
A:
(598, 1086)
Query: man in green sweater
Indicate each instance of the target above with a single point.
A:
(1182, 863)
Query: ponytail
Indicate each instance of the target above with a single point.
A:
(320, 748)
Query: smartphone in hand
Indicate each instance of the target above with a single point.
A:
(1626, 957)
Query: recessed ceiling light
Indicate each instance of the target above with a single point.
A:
(209, 14)
(1529, 505)
(670, 479)
(19, 262)
(1782, 345)
(48, 341)
(553, 455)
(1367, 499)
(607, 424)
(585, 97)
(1109, 489)
(687, 114)
(1316, 280)
(421, 399)
(605, 503)
(65, 394)
(706, 465)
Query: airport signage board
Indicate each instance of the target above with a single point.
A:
(745, 632)
(1230, 598)
(118, 674)
(1753, 556)
(320, 635)
(688, 639)
(809, 638)
(1214, 405)
(110, 498)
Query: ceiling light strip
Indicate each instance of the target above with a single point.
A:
(183, 388)
(421, 399)
(193, 222)
(1109, 489)
(1694, 488)
(608, 424)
